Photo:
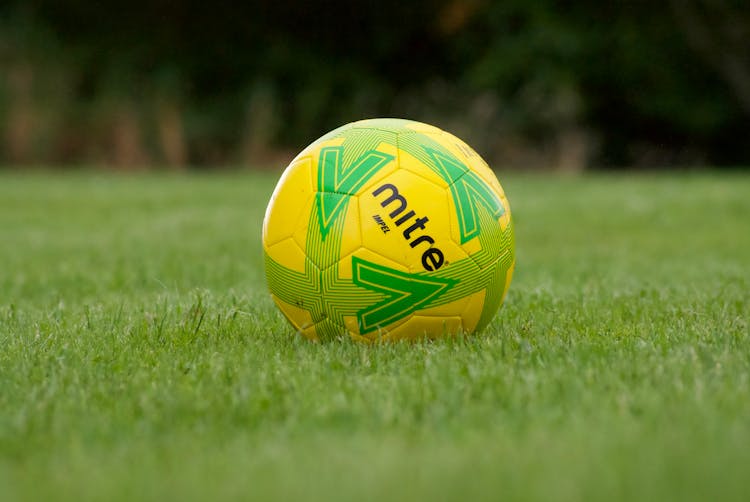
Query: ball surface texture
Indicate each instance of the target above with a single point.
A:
(388, 229)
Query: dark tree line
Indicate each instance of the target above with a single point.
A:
(547, 83)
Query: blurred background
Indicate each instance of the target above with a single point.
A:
(161, 84)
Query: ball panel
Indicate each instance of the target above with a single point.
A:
(414, 165)
(352, 326)
(351, 169)
(310, 333)
(478, 165)
(284, 210)
(399, 126)
(288, 253)
(364, 253)
(468, 308)
(472, 314)
(489, 177)
(450, 143)
(483, 170)
(299, 317)
(405, 219)
(324, 243)
(499, 280)
(508, 280)
(419, 327)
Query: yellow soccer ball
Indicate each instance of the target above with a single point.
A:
(388, 229)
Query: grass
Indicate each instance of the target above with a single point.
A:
(140, 356)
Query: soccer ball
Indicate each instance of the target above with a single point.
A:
(388, 229)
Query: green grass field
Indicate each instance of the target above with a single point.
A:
(141, 358)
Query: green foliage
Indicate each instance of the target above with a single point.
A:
(542, 82)
(142, 358)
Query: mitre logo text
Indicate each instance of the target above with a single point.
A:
(416, 233)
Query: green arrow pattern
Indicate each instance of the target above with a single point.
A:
(378, 295)
(469, 193)
(334, 179)
(404, 293)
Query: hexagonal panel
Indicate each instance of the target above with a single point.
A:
(289, 200)
(387, 169)
(491, 227)
(473, 311)
(451, 143)
(325, 243)
(412, 164)
(377, 335)
(300, 228)
(345, 262)
(351, 169)
(453, 308)
(288, 254)
(478, 165)
(343, 300)
(406, 219)
(419, 327)
(297, 317)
